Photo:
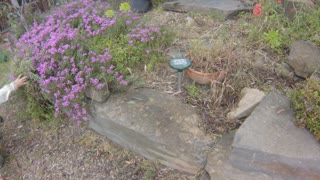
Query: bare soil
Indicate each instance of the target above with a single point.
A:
(66, 151)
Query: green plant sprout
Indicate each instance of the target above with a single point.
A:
(109, 13)
(125, 7)
(274, 39)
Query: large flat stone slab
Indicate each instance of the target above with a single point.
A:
(155, 125)
(222, 8)
(219, 167)
(268, 141)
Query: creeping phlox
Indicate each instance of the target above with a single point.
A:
(62, 60)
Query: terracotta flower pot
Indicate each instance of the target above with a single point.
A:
(205, 78)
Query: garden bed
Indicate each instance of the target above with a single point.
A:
(34, 151)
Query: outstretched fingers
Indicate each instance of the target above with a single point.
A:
(21, 81)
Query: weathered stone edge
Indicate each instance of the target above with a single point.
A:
(275, 165)
(147, 152)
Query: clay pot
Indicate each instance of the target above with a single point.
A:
(205, 78)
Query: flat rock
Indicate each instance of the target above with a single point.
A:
(155, 125)
(223, 8)
(219, 167)
(269, 142)
(250, 99)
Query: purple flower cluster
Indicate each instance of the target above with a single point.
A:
(65, 65)
(68, 52)
(144, 33)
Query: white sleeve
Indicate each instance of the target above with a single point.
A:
(5, 92)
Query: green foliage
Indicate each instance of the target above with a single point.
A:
(37, 104)
(4, 70)
(133, 56)
(306, 26)
(109, 13)
(125, 7)
(274, 39)
(6, 13)
(106, 55)
(157, 3)
(306, 102)
(38, 109)
(3, 56)
(279, 30)
(149, 170)
(19, 19)
(193, 91)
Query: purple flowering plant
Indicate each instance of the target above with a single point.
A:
(80, 45)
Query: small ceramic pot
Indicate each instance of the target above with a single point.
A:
(205, 78)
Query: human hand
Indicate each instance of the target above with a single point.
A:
(20, 81)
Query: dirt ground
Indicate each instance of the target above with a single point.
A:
(34, 151)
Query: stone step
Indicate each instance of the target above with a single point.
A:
(155, 125)
(219, 166)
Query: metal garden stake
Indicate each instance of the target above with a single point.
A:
(179, 64)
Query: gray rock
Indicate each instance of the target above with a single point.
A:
(284, 70)
(98, 95)
(250, 99)
(249, 2)
(223, 9)
(304, 58)
(190, 21)
(268, 141)
(260, 62)
(155, 125)
(219, 167)
(316, 76)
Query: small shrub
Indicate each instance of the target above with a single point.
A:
(82, 44)
(306, 26)
(306, 102)
(278, 30)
